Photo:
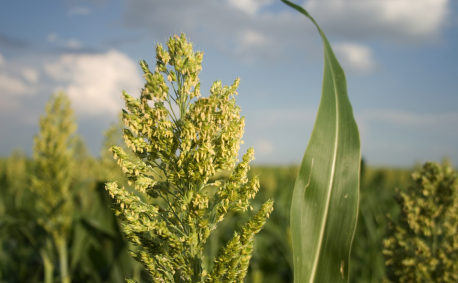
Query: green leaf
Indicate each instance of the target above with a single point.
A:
(325, 198)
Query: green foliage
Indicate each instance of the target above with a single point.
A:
(274, 253)
(175, 155)
(376, 201)
(272, 256)
(422, 244)
(326, 194)
(19, 237)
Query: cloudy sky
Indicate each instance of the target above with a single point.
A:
(400, 57)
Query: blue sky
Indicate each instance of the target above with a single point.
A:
(399, 56)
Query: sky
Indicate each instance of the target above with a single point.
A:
(399, 57)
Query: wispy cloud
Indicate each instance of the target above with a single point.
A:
(240, 29)
(355, 58)
(11, 85)
(30, 74)
(16, 83)
(400, 20)
(73, 44)
(235, 29)
(15, 80)
(251, 7)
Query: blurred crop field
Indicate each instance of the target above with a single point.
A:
(97, 251)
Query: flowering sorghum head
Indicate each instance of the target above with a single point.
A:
(422, 245)
(179, 140)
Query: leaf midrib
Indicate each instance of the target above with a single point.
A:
(320, 242)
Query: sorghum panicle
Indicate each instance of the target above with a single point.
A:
(422, 246)
(180, 140)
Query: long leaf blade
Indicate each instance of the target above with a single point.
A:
(325, 198)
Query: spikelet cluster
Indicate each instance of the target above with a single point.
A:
(179, 140)
(422, 245)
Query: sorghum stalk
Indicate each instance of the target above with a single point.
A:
(48, 266)
(179, 141)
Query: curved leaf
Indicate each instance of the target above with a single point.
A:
(325, 198)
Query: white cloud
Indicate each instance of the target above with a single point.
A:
(30, 75)
(250, 7)
(79, 11)
(12, 82)
(354, 57)
(12, 85)
(260, 38)
(94, 82)
(13, 89)
(402, 20)
(73, 44)
(248, 41)
(237, 27)
(252, 38)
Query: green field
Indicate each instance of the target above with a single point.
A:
(97, 251)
